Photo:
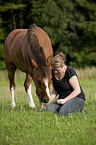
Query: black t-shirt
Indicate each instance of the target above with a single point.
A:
(63, 87)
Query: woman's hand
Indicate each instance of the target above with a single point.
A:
(61, 101)
(45, 105)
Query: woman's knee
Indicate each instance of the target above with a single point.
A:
(63, 112)
(52, 108)
(71, 106)
(49, 107)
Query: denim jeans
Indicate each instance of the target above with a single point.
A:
(72, 106)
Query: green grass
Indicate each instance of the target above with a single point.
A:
(23, 125)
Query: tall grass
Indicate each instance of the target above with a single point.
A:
(33, 127)
(86, 73)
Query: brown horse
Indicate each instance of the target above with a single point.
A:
(30, 50)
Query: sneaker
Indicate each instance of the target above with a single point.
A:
(84, 111)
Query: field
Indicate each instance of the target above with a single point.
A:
(23, 125)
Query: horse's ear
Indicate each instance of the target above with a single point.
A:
(49, 61)
(34, 64)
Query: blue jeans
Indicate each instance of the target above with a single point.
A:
(72, 106)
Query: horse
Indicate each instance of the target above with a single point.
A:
(30, 50)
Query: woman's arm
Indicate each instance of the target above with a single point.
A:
(53, 95)
(76, 90)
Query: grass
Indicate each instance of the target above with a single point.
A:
(23, 125)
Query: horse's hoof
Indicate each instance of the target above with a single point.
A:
(31, 107)
(12, 105)
(43, 108)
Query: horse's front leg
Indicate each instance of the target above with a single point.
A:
(30, 99)
(41, 106)
(27, 85)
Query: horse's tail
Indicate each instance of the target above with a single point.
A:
(37, 50)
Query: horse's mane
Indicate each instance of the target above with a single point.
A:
(37, 50)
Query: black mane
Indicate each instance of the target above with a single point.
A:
(37, 50)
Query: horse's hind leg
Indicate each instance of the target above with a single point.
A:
(11, 74)
(27, 85)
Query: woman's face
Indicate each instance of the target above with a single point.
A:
(58, 71)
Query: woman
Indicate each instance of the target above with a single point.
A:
(66, 87)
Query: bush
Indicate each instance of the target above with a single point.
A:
(2, 51)
(2, 63)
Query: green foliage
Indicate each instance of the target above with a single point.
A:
(70, 24)
(12, 14)
(58, 19)
(11, 7)
(83, 59)
(1, 30)
(2, 51)
(78, 59)
(68, 29)
(2, 63)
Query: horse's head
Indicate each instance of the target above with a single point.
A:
(40, 54)
(41, 77)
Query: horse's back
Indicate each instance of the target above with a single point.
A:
(17, 46)
(12, 36)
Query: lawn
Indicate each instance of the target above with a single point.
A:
(23, 125)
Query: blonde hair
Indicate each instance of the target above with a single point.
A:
(58, 60)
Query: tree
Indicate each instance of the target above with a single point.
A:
(71, 27)
(88, 29)
(59, 19)
(12, 14)
(70, 24)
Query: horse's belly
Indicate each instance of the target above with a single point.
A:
(19, 61)
(17, 58)
(21, 66)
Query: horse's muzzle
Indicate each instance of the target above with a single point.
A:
(44, 100)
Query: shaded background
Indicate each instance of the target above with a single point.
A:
(70, 24)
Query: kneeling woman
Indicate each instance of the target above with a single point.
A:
(66, 86)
